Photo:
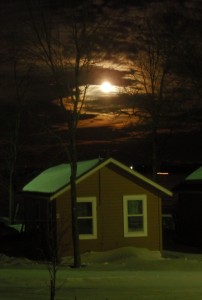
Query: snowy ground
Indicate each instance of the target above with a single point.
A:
(122, 274)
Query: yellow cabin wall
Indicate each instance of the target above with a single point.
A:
(109, 187)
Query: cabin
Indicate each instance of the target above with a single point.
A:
(116, 207)
(188, 209)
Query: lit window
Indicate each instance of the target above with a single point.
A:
(87, 221)
(135, 215)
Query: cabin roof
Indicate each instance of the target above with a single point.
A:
(56, 180)
(192, 183)
(57, 177)
(196, 175)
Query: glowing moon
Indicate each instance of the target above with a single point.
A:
(106, 87)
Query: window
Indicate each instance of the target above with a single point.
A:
(135, 215)
(87, 221)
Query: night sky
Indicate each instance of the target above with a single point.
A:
(126, 32)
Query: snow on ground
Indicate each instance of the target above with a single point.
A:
(15, 261)
(118, 256)
(121, 274)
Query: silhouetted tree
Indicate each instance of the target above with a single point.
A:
(15, 87)
(66, 43)
(156, 82)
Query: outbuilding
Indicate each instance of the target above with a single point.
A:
(117, 207)
(188, 209)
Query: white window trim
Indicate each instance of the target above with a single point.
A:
(126, 198)
(94, 217)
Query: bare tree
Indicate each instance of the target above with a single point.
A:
(17, 81)
(155, 82)
(190, 50)
(66, 45)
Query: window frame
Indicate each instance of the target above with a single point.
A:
(93, 201)
(127, 198)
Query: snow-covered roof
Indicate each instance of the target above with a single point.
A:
(196, 175)
(56, 180)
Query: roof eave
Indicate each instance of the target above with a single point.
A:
(122, 166)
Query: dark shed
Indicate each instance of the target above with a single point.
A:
(188, 209)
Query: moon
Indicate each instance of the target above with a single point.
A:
(106, 87)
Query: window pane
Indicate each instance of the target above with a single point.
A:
(84, 209)
(135, 224)
(85, 226)
(135, 207)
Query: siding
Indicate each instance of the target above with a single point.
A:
(64, 228)
(109, 185)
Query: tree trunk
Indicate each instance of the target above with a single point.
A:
(11, 198)
(154, 154)
(75, 231)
